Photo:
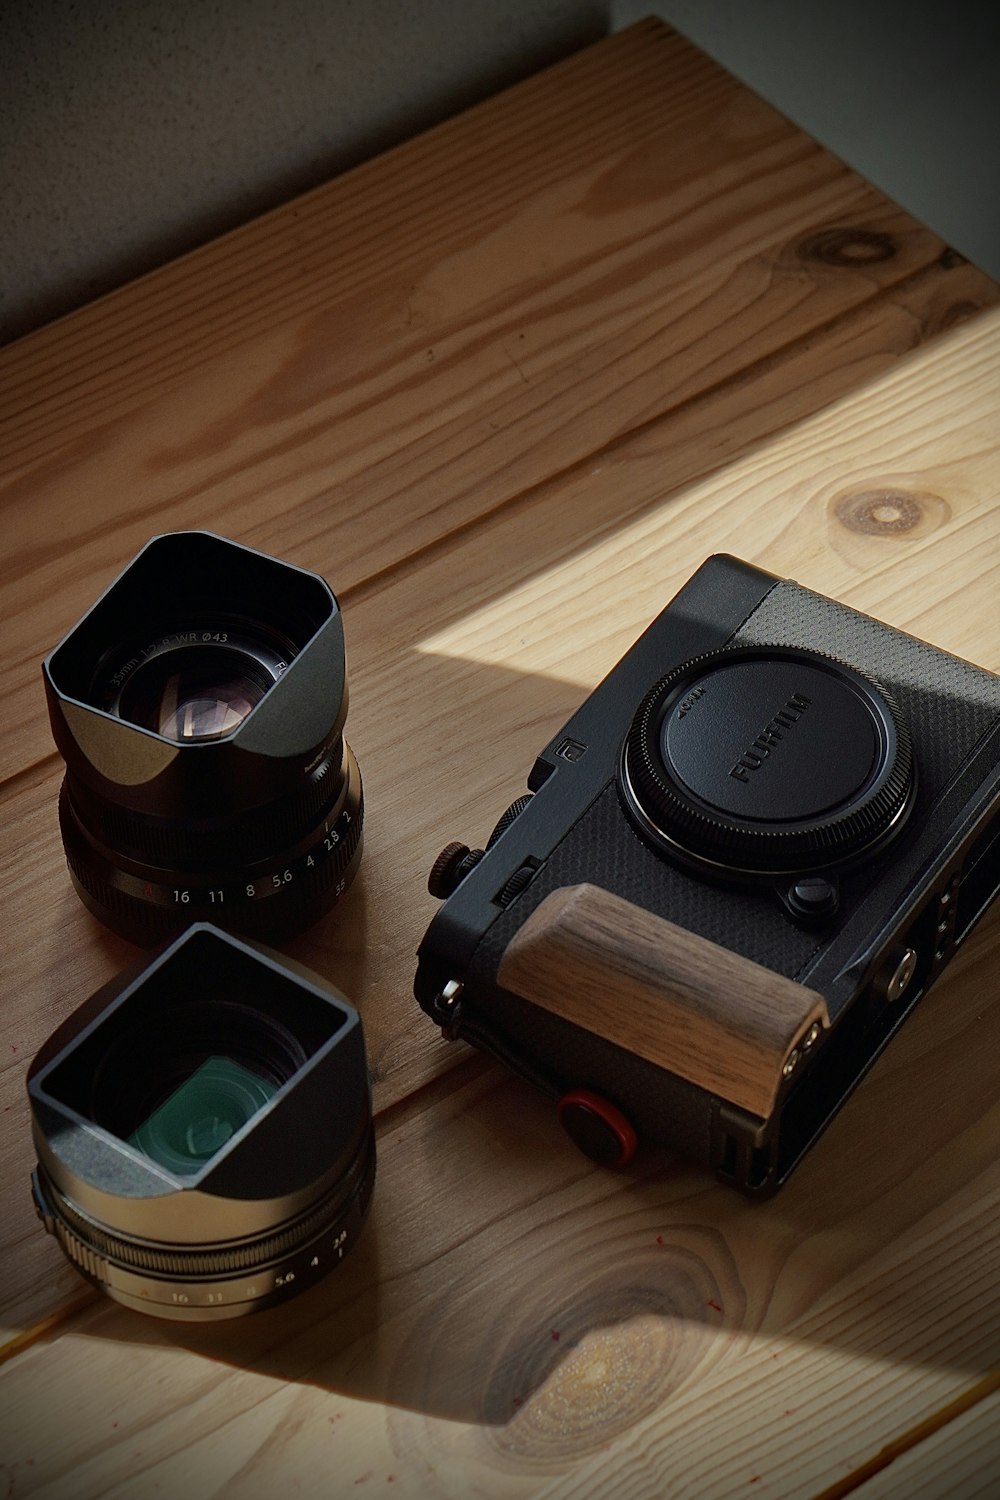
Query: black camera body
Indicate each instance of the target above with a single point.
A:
(740, 864)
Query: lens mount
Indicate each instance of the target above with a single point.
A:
(243, 1215)
(199, 706)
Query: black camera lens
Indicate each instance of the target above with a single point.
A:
(199, 706)
(203, 1130)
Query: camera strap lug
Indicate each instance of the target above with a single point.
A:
(446, 1008)
(465, 1022)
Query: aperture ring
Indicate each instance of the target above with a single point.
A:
(294, 887)
(89, 1244)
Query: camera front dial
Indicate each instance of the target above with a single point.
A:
(767, 761)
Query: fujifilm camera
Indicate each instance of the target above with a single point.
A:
(738, 868)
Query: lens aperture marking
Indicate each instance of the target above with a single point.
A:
(319, 869)
(332, 851)
(193, 684)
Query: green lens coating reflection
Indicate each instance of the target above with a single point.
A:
(198, 1118)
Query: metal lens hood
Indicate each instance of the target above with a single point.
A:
(199, 707)
(203, 1130)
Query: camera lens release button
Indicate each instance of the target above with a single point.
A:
(600, 1130)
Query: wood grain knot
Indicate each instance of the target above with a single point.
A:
(890, 512)
(847, 247)
(575, 1379)
(956, 313)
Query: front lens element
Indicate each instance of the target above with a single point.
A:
(194, 694)
(199, 1118)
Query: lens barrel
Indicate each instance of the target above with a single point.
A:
(199, 707)
(203, 1130)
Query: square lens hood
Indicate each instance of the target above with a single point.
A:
(181, 586)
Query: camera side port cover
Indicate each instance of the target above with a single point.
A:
(767, 761)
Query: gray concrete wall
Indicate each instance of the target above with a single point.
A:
(131, 130)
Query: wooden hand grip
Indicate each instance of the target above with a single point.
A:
(674, 998)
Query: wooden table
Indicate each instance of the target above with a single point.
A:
(506, 387)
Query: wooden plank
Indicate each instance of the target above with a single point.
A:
(597, 132)
(469, 662)
(353, 379)
(961, 1460)
(517, 1322)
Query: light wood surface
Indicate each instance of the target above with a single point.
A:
(960, 1458)
(506, 388)
(682, 1002)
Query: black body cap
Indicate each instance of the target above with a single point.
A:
(769, 760)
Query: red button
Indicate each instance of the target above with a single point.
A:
(600, 1129)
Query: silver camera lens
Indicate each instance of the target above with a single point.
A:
(203, 1129)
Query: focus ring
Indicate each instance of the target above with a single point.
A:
(142, 907)
(238, 838)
